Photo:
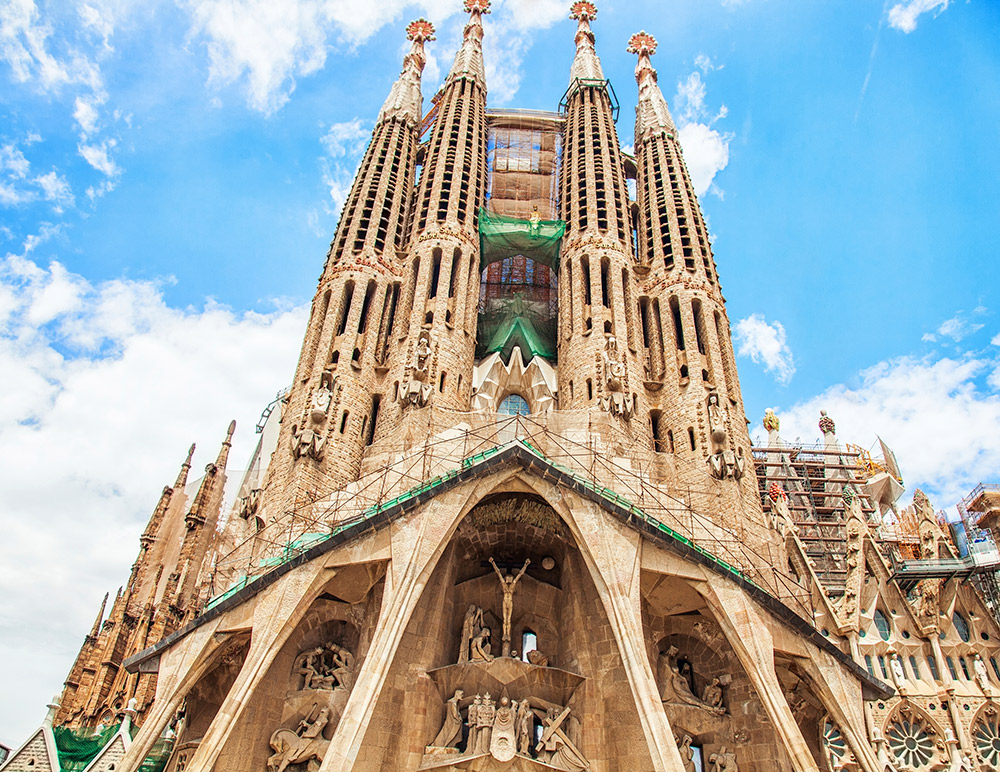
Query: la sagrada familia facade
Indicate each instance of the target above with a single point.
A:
(508, 515)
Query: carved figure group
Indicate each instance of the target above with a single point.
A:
(326, 667)
(302, 744)
(506, 728)
(475, 644)
(676, 686)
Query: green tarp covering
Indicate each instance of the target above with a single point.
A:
(514, 322)
(501, 237)
(77, 749)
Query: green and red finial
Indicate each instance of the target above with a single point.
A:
(420, 30)
(642, 43)
(583, 10)
(483, 6)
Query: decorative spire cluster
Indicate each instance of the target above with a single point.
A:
(405, 100)
(651, 112)
(586, 65)
(469, 59)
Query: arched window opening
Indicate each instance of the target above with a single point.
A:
(343, 421)
(691, 438)
(961, 626)
(345, 307)
(435, 274)
(655, 422)
(882, 624)
(529, 642)
(513, 404)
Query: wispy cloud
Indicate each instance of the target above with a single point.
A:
(344, 144)
(904, 16)
(765, 343)
(958, 327)
(706, 149)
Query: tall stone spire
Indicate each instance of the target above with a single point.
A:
(437, 320)
(405, 101)
(200, 521)
(469, 59)
(586, 64)
(651, 113)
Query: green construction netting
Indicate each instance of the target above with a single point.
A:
(501, 237)
(158, 756)
(77, 748)
(516, 321)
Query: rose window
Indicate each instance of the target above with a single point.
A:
(986, 736)
(910, 743)
(834, 745)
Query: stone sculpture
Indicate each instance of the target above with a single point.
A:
(487, 712)
(417, 390)
(712, 694)
(982, 675)
(480, 648)
(525, 727)
(503, 741)
(898, 676)
(321, 400)
(472, 721)
(304, 743)
(676, 687)
(723, 761)
(326, 667)
(723, 463)
(535, 657)
(555, 747)
(687, 753)
(507, 585)
(307, 442)
(451, 730)
(613, 372)
(472, 624)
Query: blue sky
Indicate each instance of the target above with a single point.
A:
(171, 174)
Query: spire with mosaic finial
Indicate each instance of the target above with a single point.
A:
(469, 59)
(586, 65)
(405, 101)
(651, 112)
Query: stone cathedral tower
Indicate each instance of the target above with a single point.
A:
(507, 516)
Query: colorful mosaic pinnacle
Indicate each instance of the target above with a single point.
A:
(776, 492)
(583, 11)
(482, 6)
(420, 30)
(642, 43)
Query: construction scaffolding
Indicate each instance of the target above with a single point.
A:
(814, 478)
(520, 235)
(631, 485)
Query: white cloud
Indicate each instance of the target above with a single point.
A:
(903, 16)
(995, 340)
(958, 327)
(56, 189)
(347, 138)
(765, 343)
(706, 149)
(25, 46)
(84, 361)
(85, 112)
(97, 155)
(930, 411)
(267, 45)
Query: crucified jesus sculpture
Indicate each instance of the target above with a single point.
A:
(507, 584)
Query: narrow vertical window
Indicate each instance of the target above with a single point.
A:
(366, 306)
(376, 403)
(345, 307)
(605, 281)
(675, 311)
(453, 281)
(655, 422)
(691, 438)
(435, 273)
